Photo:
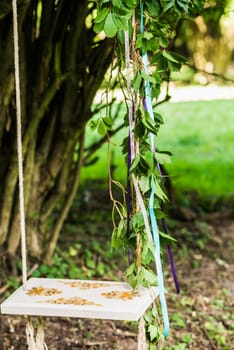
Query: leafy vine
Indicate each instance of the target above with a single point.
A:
(144, 31)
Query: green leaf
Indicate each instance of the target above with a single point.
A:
(149, 124)
(167, 236)
(120, 22)
(149, 276)
(162, 158)
(179, 58)
(122, 11)
(136, 83)
(169, 56)
(98, 27)
(137, 221)
(139, 129)
(144, 184)
(101, 15)
(93, 125)
(153, 331)
(147, 35)
(183, 4)
(174, 67)
(139, 41)
(109, 27)
(130, 270)
(153, 7)
(148, 77)
(130, 3)
(101, 127)
(158, 191)
(148, 252)
(158, 118)
(108, 122)
(167, 4)
(144, 165)
(135, 163)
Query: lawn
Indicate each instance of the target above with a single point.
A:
(199, 134)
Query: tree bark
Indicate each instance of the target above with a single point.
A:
(60, 72)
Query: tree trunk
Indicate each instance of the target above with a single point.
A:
(62, 64)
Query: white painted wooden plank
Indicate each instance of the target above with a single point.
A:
(79, 298)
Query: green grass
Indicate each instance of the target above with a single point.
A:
(200, 136)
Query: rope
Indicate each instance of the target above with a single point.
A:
(40, 337)
(149, 107)
(142, 342)
(19, 145)
(35, 342)
(30, 336)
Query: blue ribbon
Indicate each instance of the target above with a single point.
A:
(154, 226)
(158, 260)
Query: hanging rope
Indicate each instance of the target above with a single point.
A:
(19, 144)
(142, 343)
(149, 108)
(34, 343)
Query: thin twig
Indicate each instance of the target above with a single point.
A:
(216, 75)
(212, 344)
(18, 279)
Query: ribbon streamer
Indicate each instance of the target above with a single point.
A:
(149, 108)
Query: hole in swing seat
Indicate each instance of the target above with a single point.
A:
(79, 298)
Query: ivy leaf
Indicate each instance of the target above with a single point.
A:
(93, 125)
(158, 118)
(167, 4)
(101, 127)
(169, 56)
(180, 58)
(153, 7)
(148, 77)
(136, 83)
(149, 124)
(147, 35)
(148, 252)
(108, 122)
(131, 275)
(137, 221)
(131, 3)
(120, 22)
(174, 67)
(153, 331)
(98, 27)
(101, 15)
(122, 11)
(149, 276)
(109, 27)
(139, 129)
(162, 158)
(167, 236)
(183, 4)
(144, 183)
(135, 163)
(158, 191)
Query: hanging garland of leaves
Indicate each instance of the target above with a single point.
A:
(144, 31)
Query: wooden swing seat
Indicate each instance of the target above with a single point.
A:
(79, 298)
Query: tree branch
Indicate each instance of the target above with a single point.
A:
(67, 206)
(216, 75)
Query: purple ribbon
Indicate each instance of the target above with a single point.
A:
(164, 225)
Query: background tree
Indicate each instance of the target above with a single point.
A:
(63, 63)
(208, 39)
